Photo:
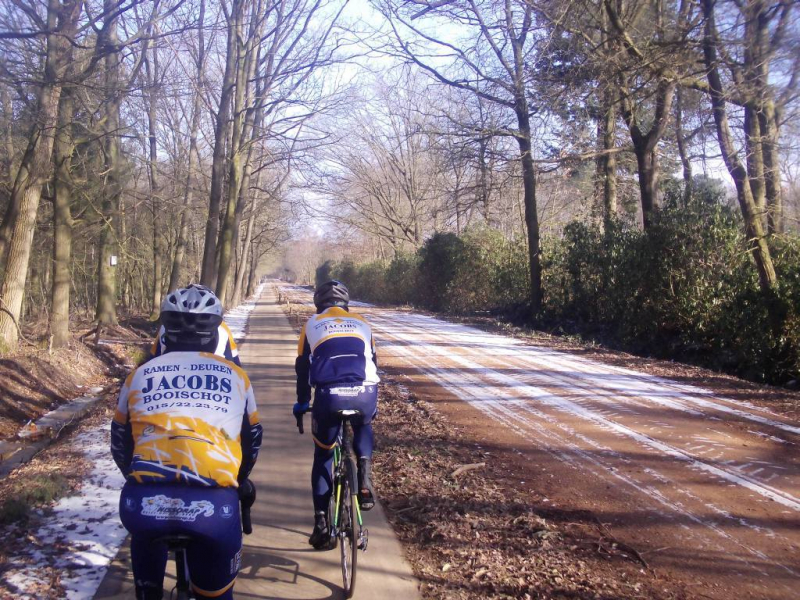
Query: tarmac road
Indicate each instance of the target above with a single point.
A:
(277, 562)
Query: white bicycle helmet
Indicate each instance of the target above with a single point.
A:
(190, 317)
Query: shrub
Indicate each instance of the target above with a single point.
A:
(438, 268)
(685, 289)
(402, 279)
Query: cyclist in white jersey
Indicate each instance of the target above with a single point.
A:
(336, 355)
(225, 345)
(186, 435)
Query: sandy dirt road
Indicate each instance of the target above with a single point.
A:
(706, 488)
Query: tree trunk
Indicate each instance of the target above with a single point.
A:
(531, 211)
(237, 290)
(244, 192)
(194, 159)
(7, 225)
(243, 137)
(645, 145)
(483, 181)
(523, 137)
(62, 222)
(152, 76)
(251, 281)
(8, 118)
(772, 176)
(35, 166)
(753, 226)
(755, 161)
(106, 309)
(688, 182)
(647, 165)
(12, 209)
(608, 162)
(208, 274)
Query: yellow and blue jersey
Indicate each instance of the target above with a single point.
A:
(186, 417)
(335, 347)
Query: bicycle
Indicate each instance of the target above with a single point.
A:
(346, 525)
(177, 544)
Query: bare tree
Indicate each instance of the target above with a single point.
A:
(59, 29)
(234, 16)
(193, 157)
(153, 85)
(272, 64)
(491, 62)
(744, 190)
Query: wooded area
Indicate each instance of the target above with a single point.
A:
(589, 144)
(161, 136)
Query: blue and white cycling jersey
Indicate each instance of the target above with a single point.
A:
(335, 347)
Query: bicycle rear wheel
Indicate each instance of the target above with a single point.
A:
(348, 526)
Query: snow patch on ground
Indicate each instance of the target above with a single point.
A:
(236, 318)
(82, 535)
(302, 293)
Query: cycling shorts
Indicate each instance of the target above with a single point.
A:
(210, 516)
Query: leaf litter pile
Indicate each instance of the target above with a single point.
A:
(469, 533)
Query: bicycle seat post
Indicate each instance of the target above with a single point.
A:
(347, 438)
(177, 544)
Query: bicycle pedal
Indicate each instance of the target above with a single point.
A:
(363, 540)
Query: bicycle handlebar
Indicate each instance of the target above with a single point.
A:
(299, 419)
(247, 526)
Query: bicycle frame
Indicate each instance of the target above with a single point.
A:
(177, 547)
(338, 477)
(351, 536)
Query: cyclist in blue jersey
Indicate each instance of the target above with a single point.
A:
(223, 343)
(186, 435)
(336, 355)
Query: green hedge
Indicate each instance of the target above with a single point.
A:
(685, 289)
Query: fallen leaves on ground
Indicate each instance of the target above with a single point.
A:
(69, 462)
(469, 535)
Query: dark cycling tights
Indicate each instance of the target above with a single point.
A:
(209, 515)
(325, 428)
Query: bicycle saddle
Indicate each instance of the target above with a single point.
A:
(174, 541)
(348, 412)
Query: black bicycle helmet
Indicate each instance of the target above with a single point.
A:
(331, 293)
(190, 317)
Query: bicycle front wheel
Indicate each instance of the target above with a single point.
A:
(348, 527)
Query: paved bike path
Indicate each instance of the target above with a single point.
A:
(277, 562)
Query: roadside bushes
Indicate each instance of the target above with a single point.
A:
(684, 289)
(475, 272)
(402, 276)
